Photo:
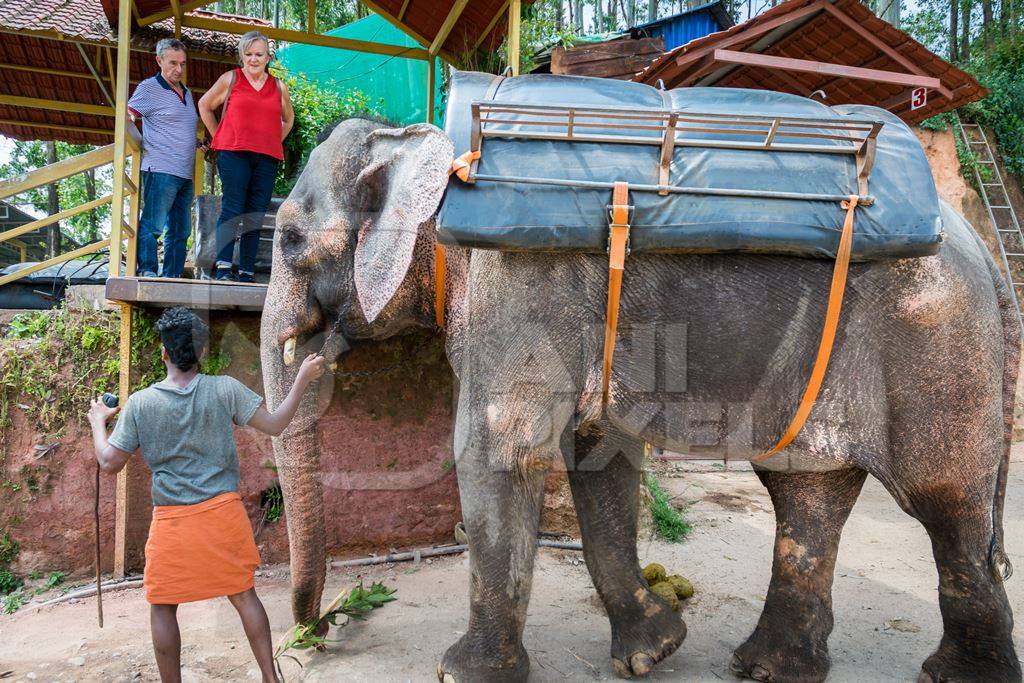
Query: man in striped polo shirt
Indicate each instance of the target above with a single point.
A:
(168, 115)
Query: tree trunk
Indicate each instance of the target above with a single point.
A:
(652, 10)
(954, 19)
(891, 12)
(90, 194)
(52, 205)
(965, 29)
(987, 29)
(631, 12)
(598, 17)
(579, 14)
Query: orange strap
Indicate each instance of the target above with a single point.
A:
(618, 237)
(461, 164)
(460, 169)
(828, 333)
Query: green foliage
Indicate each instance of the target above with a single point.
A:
(272, 502)
(27, 325)
(315, 109)
(54, 579)
(57, 363)
(215, 362)
(1001, 70)
(356, 605)
(8, 550)
(9, 582)
(669, 524)
(13, 601)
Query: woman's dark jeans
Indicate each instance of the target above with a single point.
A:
(247, 181)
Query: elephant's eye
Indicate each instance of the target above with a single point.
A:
(291, 238)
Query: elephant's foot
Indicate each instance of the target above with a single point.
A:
(475, 659)
(952, 664)
(644, 640)
(780, 655)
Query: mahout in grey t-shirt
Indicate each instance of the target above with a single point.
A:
(186, 435)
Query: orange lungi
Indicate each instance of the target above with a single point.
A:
(200, 551)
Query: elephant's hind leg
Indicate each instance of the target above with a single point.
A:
(977, 638)
(790, 642)
(605, 488)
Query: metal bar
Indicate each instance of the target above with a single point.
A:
(704, 144)
(53, 218)
(771, 133)
(58, 171)
(661, 128)
(62, 258)
(676, 189)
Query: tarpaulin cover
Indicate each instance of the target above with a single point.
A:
(903, 221)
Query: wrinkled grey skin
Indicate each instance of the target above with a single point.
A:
(713, 351)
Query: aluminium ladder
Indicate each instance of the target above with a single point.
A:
(998, 205)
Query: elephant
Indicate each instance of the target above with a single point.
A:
(713, 349)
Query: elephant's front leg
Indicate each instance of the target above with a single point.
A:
(501, 485)
(605, 478)
(790, 642)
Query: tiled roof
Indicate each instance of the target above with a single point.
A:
(817, 35)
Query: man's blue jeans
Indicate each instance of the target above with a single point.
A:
(166, 209)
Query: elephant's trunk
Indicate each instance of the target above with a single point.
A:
(287, 312)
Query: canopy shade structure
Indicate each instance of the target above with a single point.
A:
(57, 57)
(57, 67)
(839, 48)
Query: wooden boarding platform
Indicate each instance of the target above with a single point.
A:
(200, 294)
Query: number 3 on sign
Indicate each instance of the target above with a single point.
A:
(918, 98)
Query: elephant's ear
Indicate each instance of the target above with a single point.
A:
(404, 183)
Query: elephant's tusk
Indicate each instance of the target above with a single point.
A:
(289, 351)
(334, 366)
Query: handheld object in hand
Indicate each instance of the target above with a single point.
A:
(110, 400)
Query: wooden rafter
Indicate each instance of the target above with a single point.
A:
(56, 105)
(881, 45)
(211, 24)
(446, 27)
(401, 12)
(688, 58)
(167, 14)
(753, 59)
(491, 24)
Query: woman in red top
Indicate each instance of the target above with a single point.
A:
(257, 117)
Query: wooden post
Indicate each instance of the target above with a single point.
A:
(514, 13)
(431, 85)
(124, 28)
(131, 256)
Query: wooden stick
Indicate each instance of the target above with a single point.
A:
(96, 518)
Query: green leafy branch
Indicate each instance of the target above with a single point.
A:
(355, 603)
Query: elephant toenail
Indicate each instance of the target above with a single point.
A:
(925, 677)
(448, 678)
(759, 673)
(621, 670)
(737, 667)
(641, 664)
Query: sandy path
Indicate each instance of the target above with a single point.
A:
(885, 572)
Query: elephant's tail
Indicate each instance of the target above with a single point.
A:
(999, 563)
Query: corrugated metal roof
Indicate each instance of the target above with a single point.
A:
(681, 28)
(804, 29)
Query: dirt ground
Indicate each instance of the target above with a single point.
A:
(887, 617)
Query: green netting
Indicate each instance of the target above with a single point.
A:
(400, 84)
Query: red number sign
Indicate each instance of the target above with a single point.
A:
(918, 98)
